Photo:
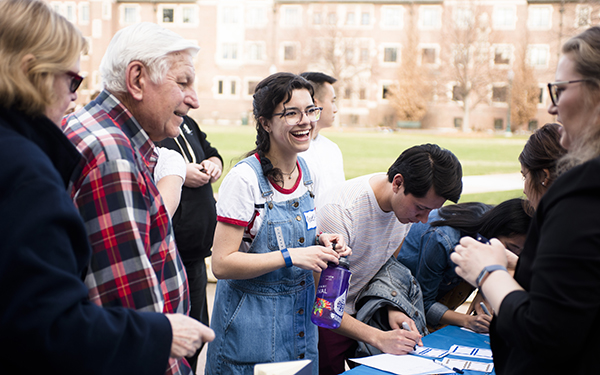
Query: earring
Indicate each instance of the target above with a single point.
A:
(543, 183)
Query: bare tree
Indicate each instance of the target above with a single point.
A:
(468, 41)
(413, 90)
(525, 91)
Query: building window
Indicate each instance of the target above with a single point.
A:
(331, 18)
(70, 12)
(291, 16)
(505, 17)
(498, 123)
(168, 15)
(347, 93)
(84, 13)
(130, 14)
(365, 18)
(229, 51)
(458, 122)
(255, 51)
(539, 17)
(430, 17)
(289, 53)
(502, 55)
(231, 15)
(392, 17)
(252, 87)
(362, 94)
(538, 55)
(350, 18)
(584, 16)
(188, 15)
(541, 95)
(457, 93)
(317, 18)
(385, 92)
(499, 94)
(226, 86)
(256, 16)
(106, 10)
(428, 56)
(390, 54)
(349, 55)
(533, 125)
(364, 55)
(463, 18)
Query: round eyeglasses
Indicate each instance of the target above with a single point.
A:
(75, 80)
(293, 116)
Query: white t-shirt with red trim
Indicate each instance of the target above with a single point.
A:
(241, 202)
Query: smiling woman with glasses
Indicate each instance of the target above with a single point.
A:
(557, 278)
(266, 247)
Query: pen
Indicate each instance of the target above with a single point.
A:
(449, 367)
(406, 327)
(484, 308)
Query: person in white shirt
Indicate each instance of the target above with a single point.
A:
(324, 157)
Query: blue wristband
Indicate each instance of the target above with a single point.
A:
(287, 258)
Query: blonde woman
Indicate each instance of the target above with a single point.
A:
(47, 323)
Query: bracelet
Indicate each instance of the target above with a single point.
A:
(287, 258)
(487, 271)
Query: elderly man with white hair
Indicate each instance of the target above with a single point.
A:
(148, 78)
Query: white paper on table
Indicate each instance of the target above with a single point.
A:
(424, 351)
(470, 330)
(403, 364)
(468, 365)
(465, 351)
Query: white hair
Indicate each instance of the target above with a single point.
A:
(147, 43)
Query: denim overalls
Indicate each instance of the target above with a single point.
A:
(267, 318)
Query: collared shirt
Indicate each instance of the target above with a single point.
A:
(134, 262)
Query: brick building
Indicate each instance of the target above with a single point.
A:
(469, 54)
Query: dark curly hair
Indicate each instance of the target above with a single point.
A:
(276, 88)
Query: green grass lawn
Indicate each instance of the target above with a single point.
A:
(372, 151)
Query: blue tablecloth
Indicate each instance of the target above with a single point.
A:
(441, 339)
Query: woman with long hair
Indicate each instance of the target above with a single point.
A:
(427, 248)
(265, 246)
(547, 317)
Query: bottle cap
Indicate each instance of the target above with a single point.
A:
(344, 262)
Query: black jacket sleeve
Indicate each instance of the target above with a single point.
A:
(47, 324)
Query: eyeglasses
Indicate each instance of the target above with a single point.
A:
(75, 80)
(555, 91)
(293, 116)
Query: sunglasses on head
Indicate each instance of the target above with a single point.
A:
(75, 80)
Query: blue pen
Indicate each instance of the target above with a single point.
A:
(484, 308)
(457, 370)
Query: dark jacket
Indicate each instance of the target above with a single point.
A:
(395, 286)
(47, 324)
(553, 326)
(196, 217)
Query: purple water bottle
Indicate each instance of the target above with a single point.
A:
(331, 295)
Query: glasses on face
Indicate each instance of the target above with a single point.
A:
(75, 80)
(293, 116)
(555, 90)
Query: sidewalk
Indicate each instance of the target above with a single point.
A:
(471, 184)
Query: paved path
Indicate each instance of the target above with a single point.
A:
(493, 182)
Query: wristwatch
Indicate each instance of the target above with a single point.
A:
(486, 272)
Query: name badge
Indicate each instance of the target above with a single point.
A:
(311, 219)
